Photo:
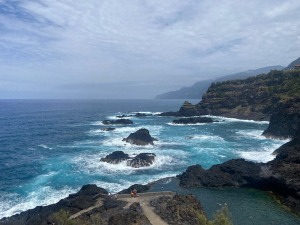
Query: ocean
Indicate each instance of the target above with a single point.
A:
(50, 148)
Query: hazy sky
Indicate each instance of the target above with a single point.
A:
(137, 48)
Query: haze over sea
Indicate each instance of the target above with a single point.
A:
(50, 148)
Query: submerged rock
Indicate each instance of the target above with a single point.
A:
(108, 129)
(142, 160)
(115, 157)
(193, 120)
(140, 137)
(119, 121)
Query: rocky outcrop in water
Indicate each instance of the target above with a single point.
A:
(281, 175)
(140, 137)
(117, 122)
(187, 109)
(193, 120)
(142, 160)
(115, 157)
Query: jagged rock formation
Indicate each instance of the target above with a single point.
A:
(178, 209)
(193, 120)
(281, 175)
(140, 137)
(115, 157)
(117, 122)
(285, 123)
(187, 109)
(142, 160)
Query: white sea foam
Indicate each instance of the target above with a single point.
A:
(45, 146)
(265, 154)
(188, 124)
(252, 134)
(226, 119)
(203, 137)
(13, 204)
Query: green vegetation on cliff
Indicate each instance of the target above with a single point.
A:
(253, 98)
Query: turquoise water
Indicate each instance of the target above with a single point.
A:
(50, 148)
(246, 206)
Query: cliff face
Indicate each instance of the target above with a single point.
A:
(253, 98)
(285, 123)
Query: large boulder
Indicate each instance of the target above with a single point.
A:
(142, 160)
(117, 122)
(193, 120)
(140, 137)
(115, 157)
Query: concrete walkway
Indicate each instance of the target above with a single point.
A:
(144, 200)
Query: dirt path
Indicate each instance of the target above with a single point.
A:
(144, 200)
(99, 203)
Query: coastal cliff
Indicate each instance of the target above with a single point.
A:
(254, 98)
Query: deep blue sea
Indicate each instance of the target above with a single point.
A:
(50, 148)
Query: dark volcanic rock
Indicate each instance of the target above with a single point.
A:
(139, 187)
(187, 109)
(119, 121)
(142, 160)
(193, 120)
(235, 172)
(115, 157)
(178, 209)
(285, 123)
(133, 216)
(140, 137)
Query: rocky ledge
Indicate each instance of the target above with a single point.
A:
(140, 137)
(117, 122)
(140, 160)
(193, 120)
(91, 205)
(281, 175)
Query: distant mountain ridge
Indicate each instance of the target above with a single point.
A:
(199, 88)
(293, 64)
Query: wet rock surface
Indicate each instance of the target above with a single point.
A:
(142, 160)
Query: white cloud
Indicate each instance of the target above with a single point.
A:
(145, 41)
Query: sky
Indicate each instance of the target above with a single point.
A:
(99, 49)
